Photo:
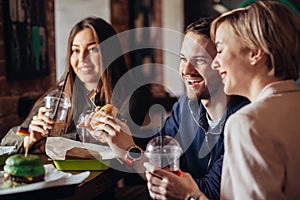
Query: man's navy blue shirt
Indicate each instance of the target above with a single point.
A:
(204, 164)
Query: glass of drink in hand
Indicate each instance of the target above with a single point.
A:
(84, 134)
(59, 103)
(164, 152)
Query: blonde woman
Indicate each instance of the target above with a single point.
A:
(258, 56)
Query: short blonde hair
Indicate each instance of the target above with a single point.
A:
(272, 27)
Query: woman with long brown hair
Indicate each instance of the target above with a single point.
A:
(95, 66)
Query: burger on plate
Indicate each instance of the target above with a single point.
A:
(21, 170)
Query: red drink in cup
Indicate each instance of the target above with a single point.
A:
(164, 153)
(177, 172)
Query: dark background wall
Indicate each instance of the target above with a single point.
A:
(16, 97)
(195, 9)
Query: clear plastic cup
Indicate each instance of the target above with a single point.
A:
(59, 102)
(84, 134)
(164, 152)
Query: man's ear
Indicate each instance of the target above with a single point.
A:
(256, 56)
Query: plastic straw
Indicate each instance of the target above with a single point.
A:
(59, 97)
(162, 132)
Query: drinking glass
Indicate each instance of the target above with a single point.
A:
(59, 103)
(164, 152)
(84, 134)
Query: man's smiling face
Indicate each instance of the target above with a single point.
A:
(196, 55)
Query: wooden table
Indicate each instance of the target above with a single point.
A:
(99, 184)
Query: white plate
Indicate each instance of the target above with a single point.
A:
(52, 174)
(7, 150)
(53, 178)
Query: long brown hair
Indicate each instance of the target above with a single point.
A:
(114, 69)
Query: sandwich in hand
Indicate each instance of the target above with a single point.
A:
(108, 109)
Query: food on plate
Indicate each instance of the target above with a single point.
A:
(109, 109)
(82, 153)
(21, 170)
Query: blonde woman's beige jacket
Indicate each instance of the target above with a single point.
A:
(262, 146)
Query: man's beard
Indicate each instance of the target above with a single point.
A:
(199, 94)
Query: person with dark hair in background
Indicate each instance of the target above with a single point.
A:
(90, 68)
(196, 121)
(258, 57)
